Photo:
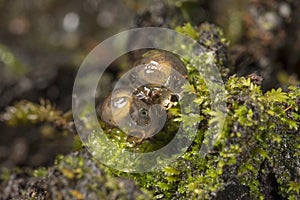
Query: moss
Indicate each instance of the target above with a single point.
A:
(41, 172)
(256, 155)
(74, 176)
(260, 128)
(212, 40)
(188, 30)
(4, 175)
(26, 112)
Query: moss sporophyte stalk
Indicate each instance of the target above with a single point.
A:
(256, 155)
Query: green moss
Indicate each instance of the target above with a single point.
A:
(41, 172)
(260, 139)
(259, 128)
(213, 41)
(187, 29)
(74, 176)
(26, 112)
(4, 175)
(251, 136)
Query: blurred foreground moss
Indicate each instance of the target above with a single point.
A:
(75, 176)
(256, 155)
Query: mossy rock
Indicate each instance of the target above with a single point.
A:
(256, 155)
(74, 176)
